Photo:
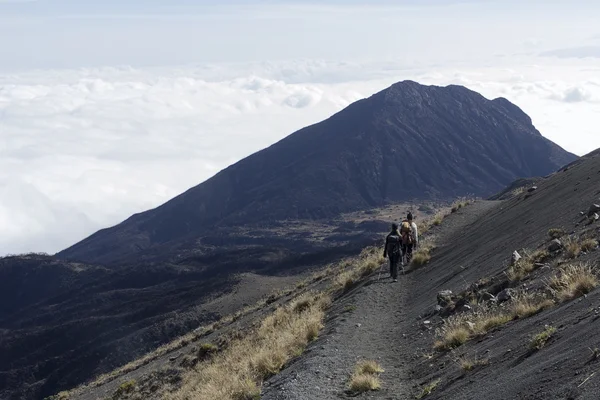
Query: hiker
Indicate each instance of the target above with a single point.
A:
(393, 250)
(410, 237)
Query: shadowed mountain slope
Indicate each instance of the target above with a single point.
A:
(404, 143)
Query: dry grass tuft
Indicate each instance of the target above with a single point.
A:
(364, 383)
(428, 389)
(469, 364)
(238, 371)
(556, 233)
(526, 305)
(460, 328)
(124, 388)
(572, 248)
(345, 280)
(540, 340)
(526, 265)
(423, 254)
(353, 271)
(459, 204)
(574, 281)
(437, 219)
(588, 245)
(206, 350)
(368, 367)
(488, 320)
(539, 256)
(520, 270)
(365, 377)
(454, 333)
(452, 338)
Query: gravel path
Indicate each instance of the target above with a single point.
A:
(370, 322)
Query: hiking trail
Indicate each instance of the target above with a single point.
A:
(370, 322)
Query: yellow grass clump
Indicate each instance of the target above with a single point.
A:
(572, 248)
(352, 272)
(526, 305)
(239, 370)
(574, 281)
(365, 377)
(588, 245)
(468, 364)
(423, 253)
(437, 219)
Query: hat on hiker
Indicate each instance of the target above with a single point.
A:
(394, 226)
(409, 216)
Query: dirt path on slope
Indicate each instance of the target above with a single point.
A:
(369, 322)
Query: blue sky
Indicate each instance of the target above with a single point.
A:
(108, 108)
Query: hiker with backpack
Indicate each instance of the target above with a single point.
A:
(410, 237)
(393, 250)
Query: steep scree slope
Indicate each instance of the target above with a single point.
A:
(473, 244)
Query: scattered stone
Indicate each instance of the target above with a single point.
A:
(358, 325)
(515, 258)
(582, 213)
(506, 295)
(595, 217)
(426, 322)
(438, 308)
(487, 296)
(465, 308)
(470, 325)
(594, 208)
(555, 245)
(444, 298)
(532, 189)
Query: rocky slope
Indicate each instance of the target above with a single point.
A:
(507, 360)
(404, 143)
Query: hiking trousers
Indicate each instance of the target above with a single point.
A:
(394, 260)
(407, 249)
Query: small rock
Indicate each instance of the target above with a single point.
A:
(505, 295)
(532, 189)
(487, 296)
(444, 297)
(596, 217)
(515, 258)
(358, 325)
(582, 213)
(465, 308)
(470, 325)
(426, 322)
(438, 308)
(555, 245)
(594, 208)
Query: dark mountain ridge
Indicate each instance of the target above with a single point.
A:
(407, 142)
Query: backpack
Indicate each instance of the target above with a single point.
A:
(406, 232)
(392, 244)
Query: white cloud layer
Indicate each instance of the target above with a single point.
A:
(83, 146)
(84, 149)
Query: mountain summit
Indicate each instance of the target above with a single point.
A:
(407, 142)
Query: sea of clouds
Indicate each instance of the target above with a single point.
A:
(83, 149)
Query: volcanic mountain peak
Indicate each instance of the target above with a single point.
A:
(406, 142)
